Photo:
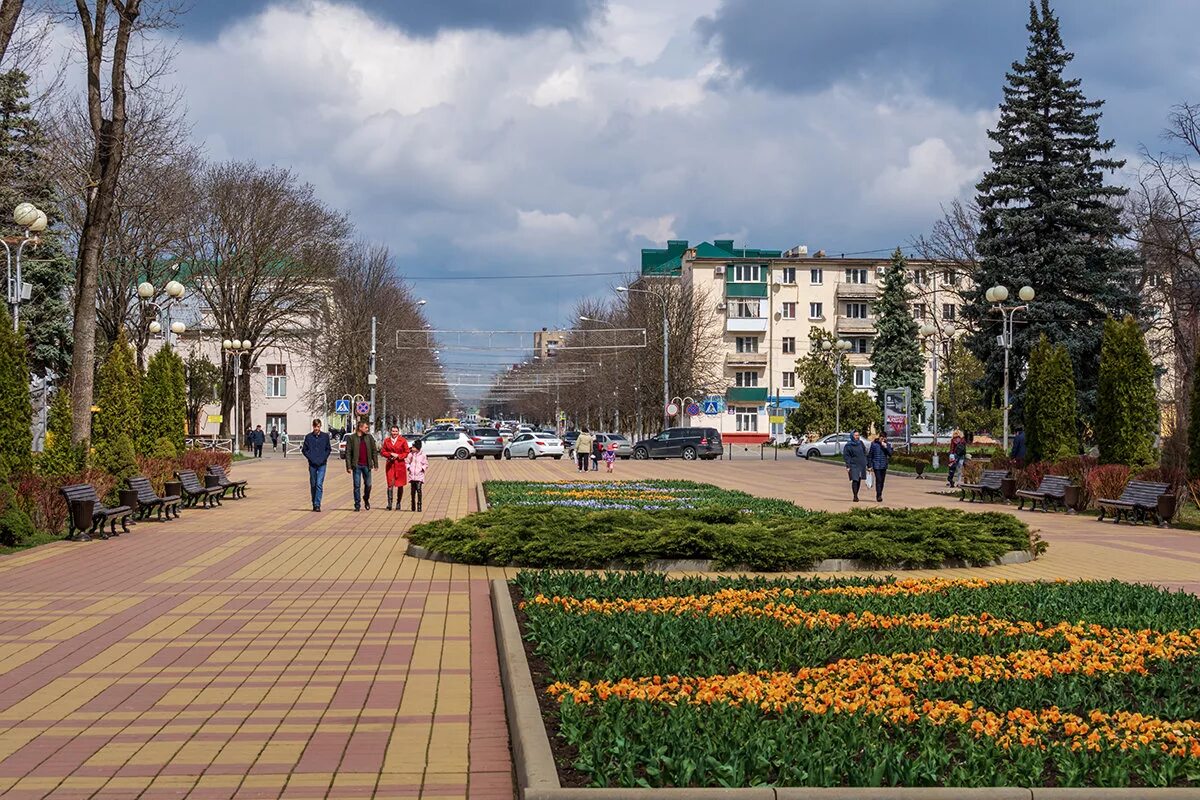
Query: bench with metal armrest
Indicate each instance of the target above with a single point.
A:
(195, 492)
(1051, 491)
(988, 486)
(149, 500)
(100, 512)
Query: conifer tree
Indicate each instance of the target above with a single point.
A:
(163, 406)
(1051, 420)
(960, 402)
(117, 425)
(60, 456)
(819, 392)
(1048, 219)
(16, 413)
(1127, 400)
(896, 357)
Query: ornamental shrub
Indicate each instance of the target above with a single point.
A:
(16, 412)
(60, 456)
(118, 395)
(16, 527)
(1107, 481)
(1051, 420)
(1126, 401)
(164, 404)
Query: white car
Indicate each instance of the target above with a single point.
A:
(533, 445)
(830, 445)
(448, 444)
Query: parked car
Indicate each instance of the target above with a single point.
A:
(533, 445)
(488, 442)
(624, 446)
(450, 444)
(830, 445)
(569, 439)
(686, 443)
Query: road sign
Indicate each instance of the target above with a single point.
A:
(711, 407)
(216, 419)
(362, 407)
(672, 409)
(341, 406)
(693, 409)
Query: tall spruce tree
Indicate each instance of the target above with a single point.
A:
(1049, 220)
(1128, 407)
(1051, 431)
(896, 357)
(16, 413)
(117, 425)
(46, 317)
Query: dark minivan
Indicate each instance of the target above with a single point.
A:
(686, 443)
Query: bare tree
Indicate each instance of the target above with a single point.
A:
(10, 11)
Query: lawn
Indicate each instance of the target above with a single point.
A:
(649, 681)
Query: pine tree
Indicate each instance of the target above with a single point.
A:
(60, 456)
(896, 357)
(1051, 419)
(16, 412)
(46, 317)
(1127, 399)
(118, 394)
(1048, 220)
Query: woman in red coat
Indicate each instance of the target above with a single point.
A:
(395, 451)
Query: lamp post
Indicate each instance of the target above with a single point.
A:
(930, 331)
(666, 354)
(996, 296)
(236, 348)
(34, 221)
(841, 345)
(175, 292)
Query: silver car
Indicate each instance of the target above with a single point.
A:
(533, 445)
(830, 445)
(624, 446)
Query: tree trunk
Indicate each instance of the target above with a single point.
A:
(10, 10)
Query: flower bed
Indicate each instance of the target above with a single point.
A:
(650, 495)
(646, 680)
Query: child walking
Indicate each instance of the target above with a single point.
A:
(610, 456)
(417, 463)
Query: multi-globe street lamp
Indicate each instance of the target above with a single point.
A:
(996, 296)
(33, 220)
(174, 291)
(841, 345)
(237, 348)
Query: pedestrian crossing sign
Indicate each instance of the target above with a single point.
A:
(341, 406)
(711, 407)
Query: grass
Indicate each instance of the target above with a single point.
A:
(36, 540)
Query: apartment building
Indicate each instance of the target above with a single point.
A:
(765, 304)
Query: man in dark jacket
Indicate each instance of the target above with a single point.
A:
(855, 456)
(316, 449)
(362, 456)
(258, 439)
(1018, 447)
(879, 456)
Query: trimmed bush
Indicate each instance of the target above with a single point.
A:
(39, 496)
(1050, 412)
(164, 405)
(60, 456)
(1126, 399)
(118, 395)
(1107, 481)
(16, 527)
(16, 412)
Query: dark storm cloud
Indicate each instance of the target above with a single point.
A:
(420, 17)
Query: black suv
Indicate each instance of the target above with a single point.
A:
(686, 443)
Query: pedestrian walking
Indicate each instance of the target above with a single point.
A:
(956, 458)
(610, 456)
(259, 439)
(417, 463)
(362, 456)
(597, 451)
(1018, 448)
(583, 450)
(395, 452)
(879, 457)
(275, 439)
(316, 450)
(855, 456)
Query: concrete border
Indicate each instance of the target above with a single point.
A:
(537, 775)
(481, 497)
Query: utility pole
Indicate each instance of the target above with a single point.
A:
(371, 374)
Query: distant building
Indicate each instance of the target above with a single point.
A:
(546, 342)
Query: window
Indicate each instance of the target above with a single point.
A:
(948, 311)
(789, 380)
(951, 278)
(746, 273)
(276, 380)
(816, 311)
(856, 310)
(816, 276)
(747, 418)
(747, 309)
(920, 277)
(863, 379)
(789, 311)
(747, 344)
(746, 380)
(789, 344)
(860, 344)
(789, 274)
(919, 310)
(856, 276)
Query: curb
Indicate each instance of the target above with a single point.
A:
(537, 775)
(481, 497)
(706, 564)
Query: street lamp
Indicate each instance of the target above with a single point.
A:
(174, 291)
(236, 348)
(996, 296)
(929, 331)
(34, 221)
(841, 345)
(666, 357)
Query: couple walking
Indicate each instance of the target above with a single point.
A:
(404, 464)
(859, 459)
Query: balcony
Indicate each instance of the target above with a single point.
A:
(746, 325)
(745, 359)
(857, 291)
(746, 394)
(847, 325)
(745, 290)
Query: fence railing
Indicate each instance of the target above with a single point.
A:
(210, 443)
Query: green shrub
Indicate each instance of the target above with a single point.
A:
(1050, 412)
(16, 527)
(118, 395)
(163, 448)
(164, 404)
(16, 412)
(1126, 398)
(60, 456)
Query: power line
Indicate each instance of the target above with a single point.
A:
(495, 277)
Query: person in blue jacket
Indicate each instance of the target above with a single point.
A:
(316, 450)
(855, 456)
(878, 457)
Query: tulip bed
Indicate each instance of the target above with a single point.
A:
(651, 681)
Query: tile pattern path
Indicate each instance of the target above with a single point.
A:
(261, 650)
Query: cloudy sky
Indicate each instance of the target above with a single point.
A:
(495, 138)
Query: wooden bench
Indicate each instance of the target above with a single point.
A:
(1052, 490)
(100, 512)
(237, 487)
(194, 491)
(150, 501)
(988, 486)
(1139, 500)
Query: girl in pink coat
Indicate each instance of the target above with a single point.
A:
(417, 463)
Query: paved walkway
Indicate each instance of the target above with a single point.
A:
(262, 650)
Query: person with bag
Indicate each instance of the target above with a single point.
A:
(879, 456)
(952, 460)
(583, 450)
(855, 456)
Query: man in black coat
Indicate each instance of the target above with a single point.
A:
(855, 456)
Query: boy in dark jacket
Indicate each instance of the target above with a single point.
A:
(316, 450)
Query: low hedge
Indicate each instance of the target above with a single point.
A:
(578, 538)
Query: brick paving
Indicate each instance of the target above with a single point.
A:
(260, 650)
